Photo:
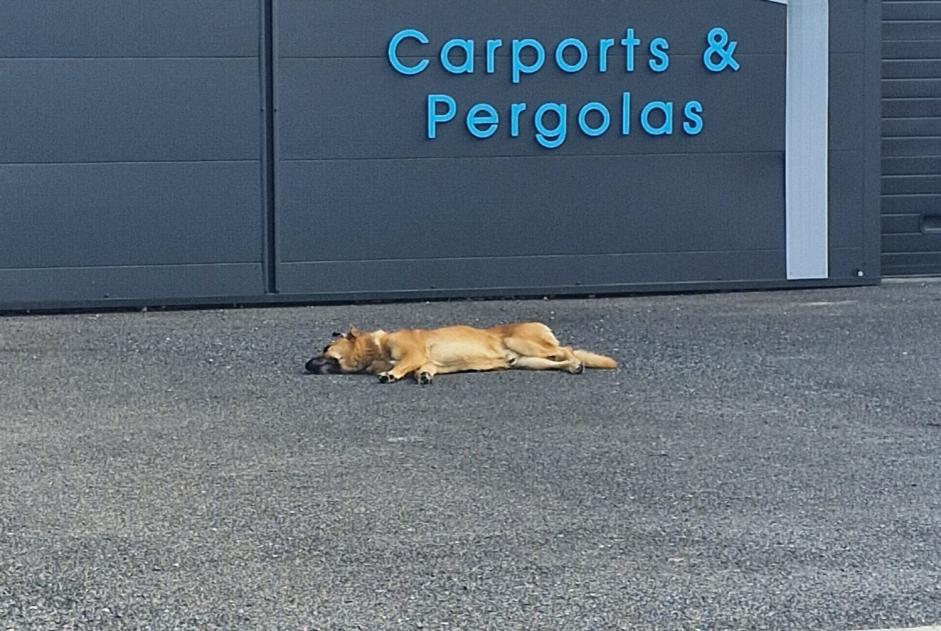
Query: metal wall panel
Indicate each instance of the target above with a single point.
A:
(556, 206)
(129, 28)
(362, 28)
(129, 110)
(911, 131)
(392, 127)
(204, 151)
(155, 213)
(369, 206)
(130, 159)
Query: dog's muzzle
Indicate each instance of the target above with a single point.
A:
(323, 366)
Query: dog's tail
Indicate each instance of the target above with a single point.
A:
(593, 360)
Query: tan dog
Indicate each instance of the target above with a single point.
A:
(426, 353)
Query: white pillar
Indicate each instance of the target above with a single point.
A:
(807, 144)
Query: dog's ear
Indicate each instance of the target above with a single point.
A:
(354, 333)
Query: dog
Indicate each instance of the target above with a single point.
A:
(425, 353)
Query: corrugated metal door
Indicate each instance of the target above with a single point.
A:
(911, 137)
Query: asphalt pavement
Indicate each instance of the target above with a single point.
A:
(759, 461)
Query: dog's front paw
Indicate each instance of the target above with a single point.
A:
(387, 377)
(424, 378)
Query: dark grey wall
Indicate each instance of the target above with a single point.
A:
(130, 149)
(368, 205)
(139, 165)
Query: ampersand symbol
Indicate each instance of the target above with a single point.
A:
(721, 52)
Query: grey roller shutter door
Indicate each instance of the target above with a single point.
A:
(911, 137)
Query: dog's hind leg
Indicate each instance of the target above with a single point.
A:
(539, 363)
(541, 348)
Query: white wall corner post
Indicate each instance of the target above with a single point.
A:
(807, 139)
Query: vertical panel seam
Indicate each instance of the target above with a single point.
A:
(270, 179)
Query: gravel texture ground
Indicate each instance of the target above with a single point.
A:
(760, 461)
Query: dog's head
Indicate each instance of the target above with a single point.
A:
(349, 353)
